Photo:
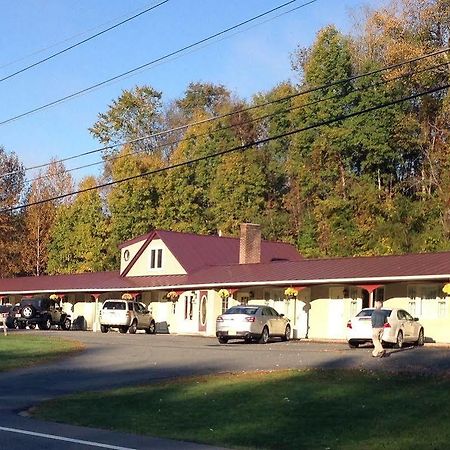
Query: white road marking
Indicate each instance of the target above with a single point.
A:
(65, 439)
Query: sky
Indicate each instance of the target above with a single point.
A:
(253, 60)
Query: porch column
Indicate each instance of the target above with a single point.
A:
(96, 322)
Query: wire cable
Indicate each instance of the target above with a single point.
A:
(244, 147)
(168, 55)
(54, 55)
(250, 108)
(217, 117)
(255, 119)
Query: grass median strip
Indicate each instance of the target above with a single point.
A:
(24, 350)
(308, 409)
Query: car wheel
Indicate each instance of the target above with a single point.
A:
(264, 336)
(104, 328)
(31, 326)
(287, 333)
(28, 312)
(45, 324)
(222, 340)
(152, 328)
(133, 327)
(21, 325)
(353, 344)
(399, 343)
(421, 338)
(248, 340)
(15, 324)
(123, 329)
(66, 324)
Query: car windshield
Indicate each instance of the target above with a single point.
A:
(242, 310)
(114, 305)
(36, 302)
(368, 312)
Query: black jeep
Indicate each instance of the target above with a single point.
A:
(43, 312)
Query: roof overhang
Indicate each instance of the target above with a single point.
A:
(280, 283)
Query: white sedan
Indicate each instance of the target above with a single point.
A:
(400, 327)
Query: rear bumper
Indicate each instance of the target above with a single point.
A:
(238, 335)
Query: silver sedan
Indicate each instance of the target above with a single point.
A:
(252, 322)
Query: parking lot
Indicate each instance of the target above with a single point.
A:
(115, 359)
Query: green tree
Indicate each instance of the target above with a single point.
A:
(79, 234)
(132, 205)
(135, 114)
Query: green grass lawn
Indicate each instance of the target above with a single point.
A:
(23, 350)
(309, 409)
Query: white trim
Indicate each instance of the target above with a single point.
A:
(65, 439)
(187, 287)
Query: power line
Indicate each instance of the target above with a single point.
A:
(67, 39)
(169, 55)
(288, 97)
(250, 108)
(233, 149)
(255, 119)
(54, 55)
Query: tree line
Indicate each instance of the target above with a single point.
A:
(370, 184)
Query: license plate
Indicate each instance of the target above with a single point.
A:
(17, 315)
(232, 331)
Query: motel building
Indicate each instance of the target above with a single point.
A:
(187, 280)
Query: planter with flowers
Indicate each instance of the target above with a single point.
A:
(223, 293)
(290, 293)
(172, 296)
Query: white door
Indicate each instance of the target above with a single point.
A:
(336, 320)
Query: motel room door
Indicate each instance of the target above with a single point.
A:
(336, 322)
(202, 311)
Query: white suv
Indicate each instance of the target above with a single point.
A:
(126, 315)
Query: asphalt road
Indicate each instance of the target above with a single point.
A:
(115, 359)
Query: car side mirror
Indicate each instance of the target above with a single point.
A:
(416, 319)
(281, 315)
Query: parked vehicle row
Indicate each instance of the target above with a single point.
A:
(124, 315)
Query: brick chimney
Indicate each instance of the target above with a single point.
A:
(250, 244)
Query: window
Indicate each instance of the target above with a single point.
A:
(353, 308)
(224, 304)
(442, 311)
(189, 307)
(156, 258)
(425, 301)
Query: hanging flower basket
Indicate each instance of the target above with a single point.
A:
(172, 296)
(290, 293)
(223, 293)
(446, 289)
(127, 296)
(54, 297)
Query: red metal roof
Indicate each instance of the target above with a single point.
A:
(195, 251)
(379, 269)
